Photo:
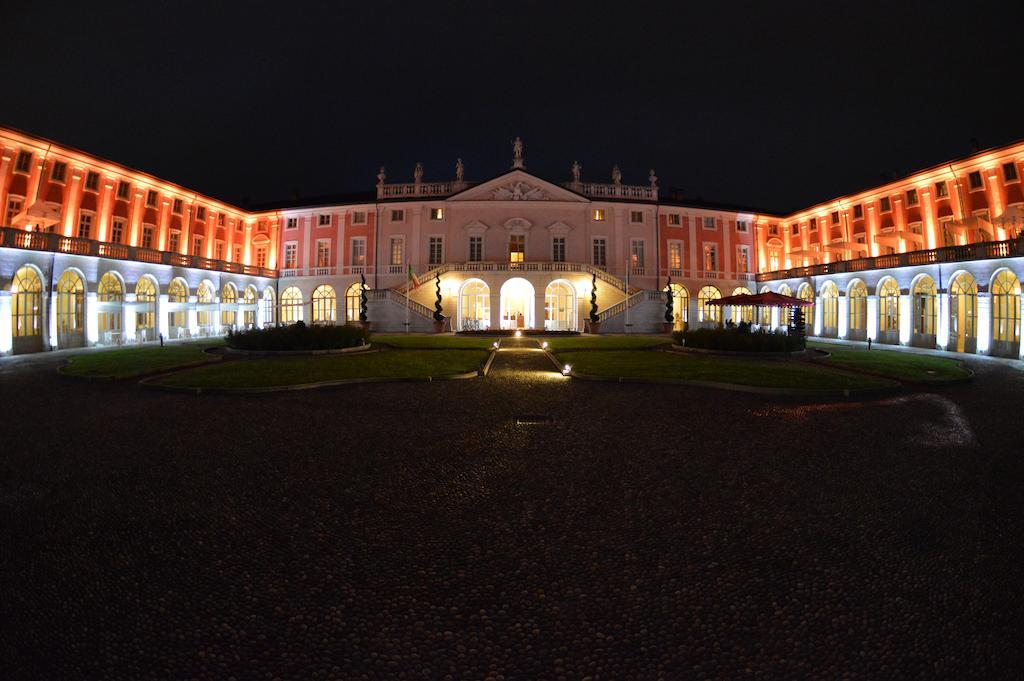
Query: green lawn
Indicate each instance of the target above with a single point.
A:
(899, 365)
(694, 367)
(280, 371)
(630, 342)
(130, 362)
(432, 342)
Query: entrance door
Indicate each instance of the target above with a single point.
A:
(517, 301)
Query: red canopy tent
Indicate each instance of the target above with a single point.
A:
(768, 299)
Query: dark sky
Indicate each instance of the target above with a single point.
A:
(776, 105)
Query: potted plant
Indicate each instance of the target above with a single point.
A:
(666, 326)
(438, 316)
(363, 302)
(595, 320)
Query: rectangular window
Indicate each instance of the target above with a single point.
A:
(974, 180)
(220, 221)
(92, 181)
(60, 170)
(117, 231)
(884, 205)
(359, 252)
(435, 253)
(397, 246)
(675, 255)
(359, 217)
(147, 236)
(476, 248)
(858, 212)
(710, 258)
(794, 229)
(814, 225)
(174, 242)
(834, 217)
(742, 259)
(675, 219)
(290, 223)
(1010, 172)
(437, 213)
(13, 208)
(197, 246)
(916, 228)
(911, 197)
(176, 207)
(397, 215)
(291, 255)
(742, 226)
(636, 253)
(151, 197)
(773, 230)
(323, 219)
(237, 255)
(516, 247)
(124, 190)
(598, 215)
(636, 216)
(201, 214)
(709, 223)
(218, 250)
(600, 253)
(261, 256)
(24, 162)
(558, 249)
(941, 189)
(85, 225)
(323, 253)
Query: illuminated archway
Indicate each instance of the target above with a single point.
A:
(205, 297)
(352, 302)
(963, 313)
(742, 313)
(680, 306)
(110, 303)
(177, 314)
(27, 310)
(888, 311)
(325, 304)
(829, 309)
(70, 310)
(925, 305)
(291, 305)
(1005, 289)
(857, 314)
(228, 301)
(709, 313)
(785, 312)
(517, 303)
(145, 308)
(806, 292)
(474, 306)
(560, 306)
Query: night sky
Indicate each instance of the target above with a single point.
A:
(775, 105)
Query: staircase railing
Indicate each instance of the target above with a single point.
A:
(400, 299)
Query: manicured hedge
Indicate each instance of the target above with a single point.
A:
(298, 336)
(512, 332)
(738, 339)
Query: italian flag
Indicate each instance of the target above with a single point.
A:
(413, 278)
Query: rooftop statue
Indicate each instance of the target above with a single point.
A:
(616, 175)
(576, 171)
(417, 174)
(460, 170)
(517, 153)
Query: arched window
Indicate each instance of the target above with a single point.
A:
(177, 320)
(858, 301)
(249, 314)
(829, 308)
(352, 302)
(70, 310)
(742, 313)
(889, 306)
(785, 312)
(204, 317)
(1005, 307)
(228, 296)
(177, 292)
(110, 289)
(559, 307)
(963, 312)
(325, 305)
(709, 313)
(807, 293)
(26, 304)
(204, 294)
(269, 308)
(110, 296)
(291, 305)
(145, 314)
(680, 306)
(475, 306)
(766, 312)
(924, 306)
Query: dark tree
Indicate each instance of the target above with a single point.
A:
(438, 317)
(799, 327)
(594, 318)
(669, 303)
(362, 297)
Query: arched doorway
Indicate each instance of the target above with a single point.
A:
(145, 309)
(177, 315)
(829, 310)
(325, 304)
(1005, 288)
(205, 301)
(680, 306)
(70, 310)
(474, 306)
(925, 305)
(889, 312)
(249, 307)
(110, 302)
(228, 306)
(710, 315)
(291, 305)
(352, 302)
(269, 308)
(963, 313)
(26, 311)
(857, 315)
(517, 303)
(560, 313)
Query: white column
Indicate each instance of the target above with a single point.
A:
(92, 319)
(692, 314)
(844, 316)
(161, 315)
(217, 328)
(538, 310)
(817, 316)
(51, 315)
(984, 322)
(239, 318)
(872, 320)
(906, 312)
(775, 317)
(192, 318)
(6, 332)
(942, 323)
(129, 318)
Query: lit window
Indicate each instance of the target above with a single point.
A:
(636, 253)
(599, 215)
(437, 213)
(830, 307)
(323, 253)
(675, 255)
(710, 258)
(1006, 307)
(516, 247)
(675, 219)
(353, 301)
(359, 252)
(858, 295)
(708, 312)
(397, 245)
(291, 305)
(324, 304)
(742, 259)
(889, 306)
(924, 306)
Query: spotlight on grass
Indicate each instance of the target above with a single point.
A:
(567, 369)
(544, 345)
(518, 333)
(495, 344)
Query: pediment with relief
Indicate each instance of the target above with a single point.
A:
(517, 185)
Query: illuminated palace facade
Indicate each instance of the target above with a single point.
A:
(94, 253)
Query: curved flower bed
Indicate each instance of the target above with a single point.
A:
(738, 339)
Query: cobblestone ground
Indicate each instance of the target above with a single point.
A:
(522, 526)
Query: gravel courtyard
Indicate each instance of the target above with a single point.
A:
(522, 526)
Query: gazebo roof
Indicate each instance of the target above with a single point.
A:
(767, 299)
